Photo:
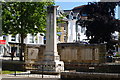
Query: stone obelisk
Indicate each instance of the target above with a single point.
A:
(51, 58)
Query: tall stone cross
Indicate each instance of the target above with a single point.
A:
(51, 57)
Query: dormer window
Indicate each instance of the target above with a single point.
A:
(84, 14)
(71, 15)
(78, 16)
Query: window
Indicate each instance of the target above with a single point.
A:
(65, 38)
(4, 37)
(84, 14)
(78, 16)
(82, 30)
(71, 15)
(13, 38)
(31, 39)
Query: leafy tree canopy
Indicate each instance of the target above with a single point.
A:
(101, 22)
(24, 17)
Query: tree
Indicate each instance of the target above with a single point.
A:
(23, 18)
(101, 22)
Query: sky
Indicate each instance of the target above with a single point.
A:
(70, 5)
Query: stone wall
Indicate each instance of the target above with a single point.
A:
(81, 53)
(13, 65)
(89, 76)
(69, 53)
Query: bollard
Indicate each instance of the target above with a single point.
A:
(14, 70)
(42, 71)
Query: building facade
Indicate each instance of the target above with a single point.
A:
(14, 41)
(76, 33)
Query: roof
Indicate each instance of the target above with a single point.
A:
(75, 11)
(67, 11)
(78, 8)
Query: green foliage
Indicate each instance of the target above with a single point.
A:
(24, 17)
(117, 55)
(60, 18)
(10, 72)
(58, 35)
(58, 29)
(101, 21)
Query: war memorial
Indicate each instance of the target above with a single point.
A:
(70, 60)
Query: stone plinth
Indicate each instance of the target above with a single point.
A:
(51, 66)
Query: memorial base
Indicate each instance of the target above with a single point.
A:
(50, 67)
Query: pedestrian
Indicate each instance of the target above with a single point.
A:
(13, 50)
(12, 55)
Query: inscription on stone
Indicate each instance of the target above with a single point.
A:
(32, 53)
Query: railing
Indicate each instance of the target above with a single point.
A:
(38, 70)
(33, 70)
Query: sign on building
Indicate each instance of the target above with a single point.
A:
(2, 41)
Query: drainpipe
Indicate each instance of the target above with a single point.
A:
(76, 29)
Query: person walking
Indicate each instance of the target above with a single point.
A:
(13, 50)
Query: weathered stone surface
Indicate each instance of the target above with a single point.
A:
(89, 76)
(80, 53)
(51, 59)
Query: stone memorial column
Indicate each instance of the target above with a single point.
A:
(51, 58)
